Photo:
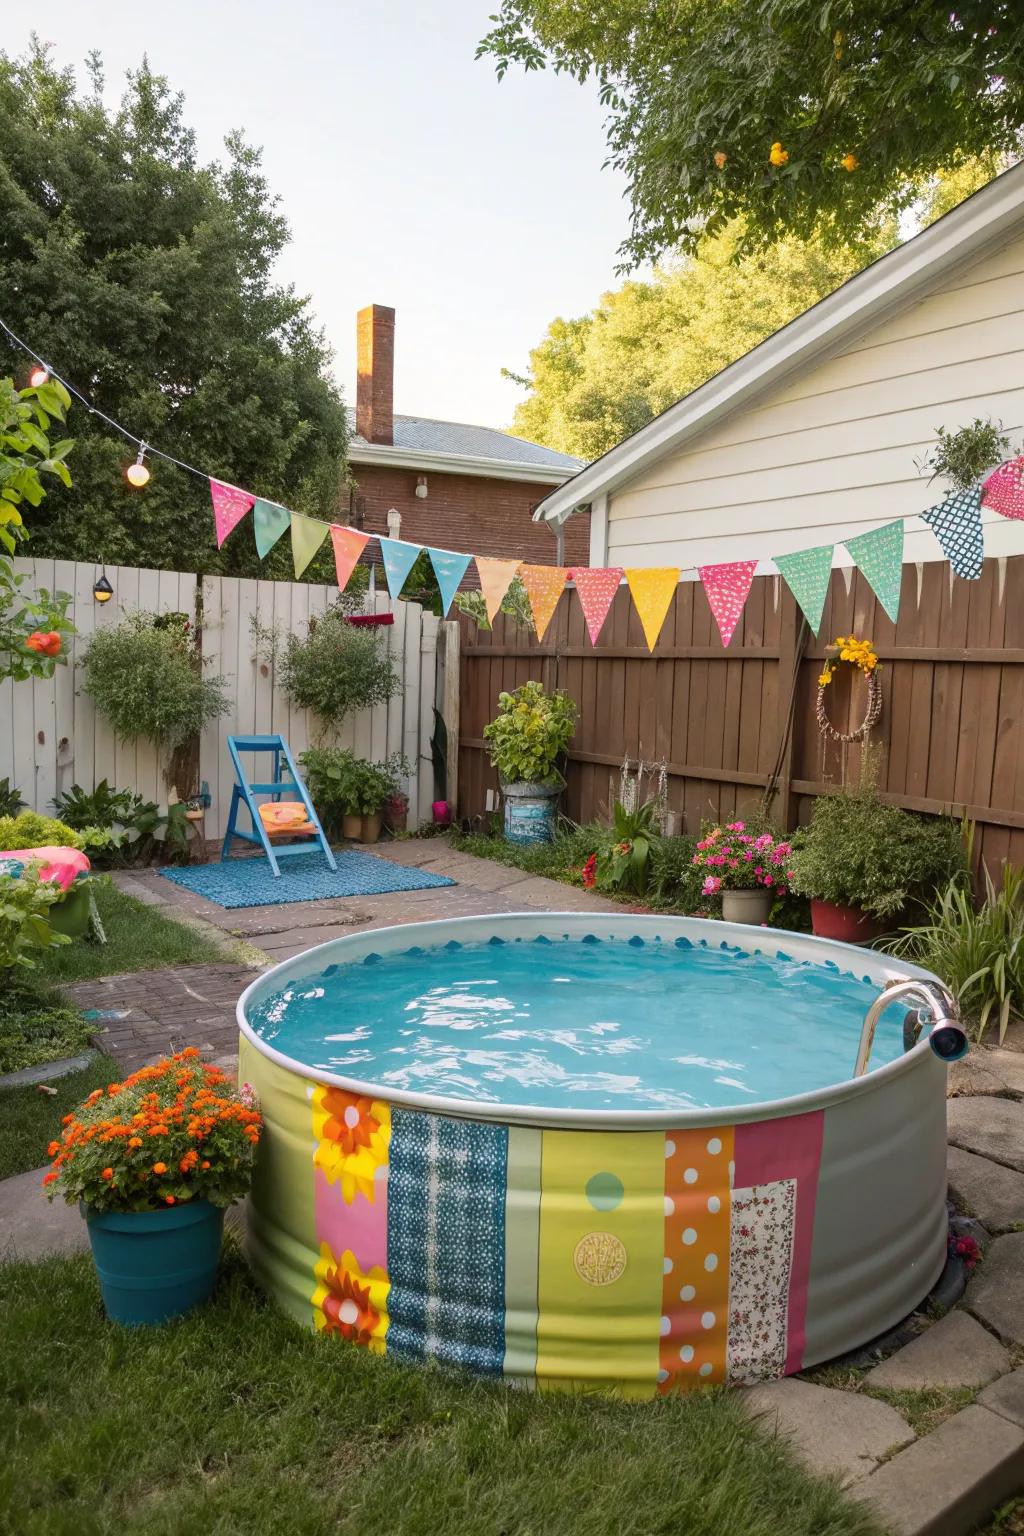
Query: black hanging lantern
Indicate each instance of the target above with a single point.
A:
(102, 590)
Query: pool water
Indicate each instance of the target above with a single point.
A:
(585, 1023)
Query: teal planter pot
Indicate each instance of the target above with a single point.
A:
(530, 813)
(71, 916)
(155, 1265)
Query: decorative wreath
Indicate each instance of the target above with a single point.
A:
(859, 654)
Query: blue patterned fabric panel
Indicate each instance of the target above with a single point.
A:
(446, 1241)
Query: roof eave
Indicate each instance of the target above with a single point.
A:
(387, 455)
(961, 235)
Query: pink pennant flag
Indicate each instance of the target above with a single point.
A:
(229, 507)
(348, 546)
(597, 587)
(727, 587)
(1003, 491)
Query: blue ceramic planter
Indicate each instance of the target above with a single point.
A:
(154, 1265)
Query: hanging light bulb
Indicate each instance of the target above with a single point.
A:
(38, 375)
(102, 590)
(137, 474)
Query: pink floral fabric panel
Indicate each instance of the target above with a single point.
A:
(760, 1267)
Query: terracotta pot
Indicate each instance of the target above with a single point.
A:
(369, 828)
(752, 906)
(352, 828)
(396, 815)
(850, 925)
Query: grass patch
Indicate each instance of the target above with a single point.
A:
(925, 1410)
(139, 938)
(236, 1420)
(37, 1026)
(30, 1120)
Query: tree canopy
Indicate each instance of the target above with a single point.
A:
(146, 279)
(799, 115)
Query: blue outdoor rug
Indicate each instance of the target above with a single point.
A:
(250, 882)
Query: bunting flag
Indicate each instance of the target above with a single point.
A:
(496, 576)
(807, 575)
(269, 521)
(879, 555)
(652, 588)
(348, 546)
(544, 585)
(1003, 491)
(449, 569)
(399, 559)
(956, 523)
(229, 507)
(597, 587)
(727, 587)
(307, 536)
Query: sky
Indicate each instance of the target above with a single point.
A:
(408, 173)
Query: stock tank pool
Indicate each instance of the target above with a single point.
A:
(594, 1151)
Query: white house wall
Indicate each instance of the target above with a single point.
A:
(831, 450)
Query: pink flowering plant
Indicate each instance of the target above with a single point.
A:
(737, 860)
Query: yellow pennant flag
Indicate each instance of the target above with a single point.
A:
(544, 586)
(495, 580)
(652, 589)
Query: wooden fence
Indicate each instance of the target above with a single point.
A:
(730, 724)
(51, 737)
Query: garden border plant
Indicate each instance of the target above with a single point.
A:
(145, 677)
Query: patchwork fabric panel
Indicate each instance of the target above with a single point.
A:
(695, 1287)
(761, 1238)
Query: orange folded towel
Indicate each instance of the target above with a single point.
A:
(285, 816)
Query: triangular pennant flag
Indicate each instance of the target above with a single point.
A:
(807, 574)
(449, 569)
(597, 586)
(956, 523)
(544, 585)
(1003, 491)
(229, 507)
(307, 536)
(879, 554)
(269, 521)
(652, 588)
(348, 546)
(727, 587)
(496, 576)
(399, 559)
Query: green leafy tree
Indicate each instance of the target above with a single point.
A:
(146, 278)
(859, 100)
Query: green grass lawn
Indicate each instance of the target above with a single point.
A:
(139, 938)
(29, 1120)
(235, 1421)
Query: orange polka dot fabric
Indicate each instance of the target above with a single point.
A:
(695, 1286)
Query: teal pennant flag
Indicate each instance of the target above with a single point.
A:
(956, 523)
(807, 574)
(269, 521)
(879, 555)
(399, 559)
(449, 569)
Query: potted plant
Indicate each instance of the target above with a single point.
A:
(532, 730)
(371, 788)
(745, 869)
(153, 1162)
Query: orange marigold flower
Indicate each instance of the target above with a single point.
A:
(778, 155)
(49, 1178)
(135, 1141)
(204, 1164)
(53, 1149)
(159, 1167)
(168, 1199)
(108, 1173)
(67, 1119)
(97, 1093)
(849, 162)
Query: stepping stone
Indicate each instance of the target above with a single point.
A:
(992, 1193)
(1006, 1397)
(954, 1352)
(996, 1292)
(991, 1127)
(832, 1432)
(971, 1077)
(1007, 1065)
(32, 1225)
(942, 1485)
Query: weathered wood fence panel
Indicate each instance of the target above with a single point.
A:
(951, 735)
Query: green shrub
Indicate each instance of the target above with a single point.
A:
(10, 798)
(337, 668)
(532, 730)
(625, 860)
(145, 678)
(31, 830)
(675, 880)
(118, 828)
(25, 902)
(35, 1028)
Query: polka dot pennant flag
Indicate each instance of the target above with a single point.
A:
(879, 555)
(269, 522)
(597, 587)
(1003, 491)
(956, 523)
(495, 580)
(807, 574)
(727, 587)
(449, 569)
(544, 585)
(652, 589)
(229, 507)
(348, 546)
(307, 536)
(399, 559)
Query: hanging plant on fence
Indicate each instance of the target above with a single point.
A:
(335, 669)
(145, 677)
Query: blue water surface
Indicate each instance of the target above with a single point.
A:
(581, 1023)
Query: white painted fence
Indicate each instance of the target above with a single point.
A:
(51, 738)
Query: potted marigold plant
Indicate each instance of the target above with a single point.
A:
(748, 871)
(153, 1162)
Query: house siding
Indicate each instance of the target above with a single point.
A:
(831, 450)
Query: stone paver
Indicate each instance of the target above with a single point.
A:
(943, 1484)
(165, 1010)
(1007, 1065)
(973, 1076)
(996, 1291)
(992, 1193)
(1006, 1397)
(954, 1352)
(31, 1225)
(991, 1127)
(831, 1431)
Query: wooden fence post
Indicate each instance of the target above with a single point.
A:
(450, 708)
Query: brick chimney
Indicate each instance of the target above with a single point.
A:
(375, 373)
